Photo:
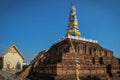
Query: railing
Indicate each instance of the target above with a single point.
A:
(77, 38)
(82, 38)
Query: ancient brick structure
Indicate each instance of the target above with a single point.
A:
(74, 55)
(59, 61)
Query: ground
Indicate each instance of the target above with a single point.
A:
(8, 76)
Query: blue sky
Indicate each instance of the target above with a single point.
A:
(34, 25)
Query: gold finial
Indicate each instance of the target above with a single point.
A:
(73, 28)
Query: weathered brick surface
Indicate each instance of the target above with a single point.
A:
(26, 72)
(59, 61)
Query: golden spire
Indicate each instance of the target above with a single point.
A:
(73, 28)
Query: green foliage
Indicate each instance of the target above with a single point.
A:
(7, 78)
(1, 63)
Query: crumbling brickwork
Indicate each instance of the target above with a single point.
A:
(59, 62)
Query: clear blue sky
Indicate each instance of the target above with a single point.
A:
(33, 25)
